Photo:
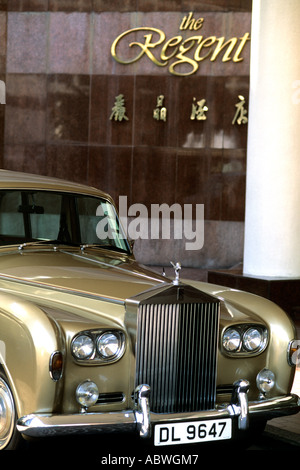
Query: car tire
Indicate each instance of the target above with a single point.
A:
(10, 438)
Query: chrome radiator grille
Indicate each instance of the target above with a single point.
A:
(176, 355)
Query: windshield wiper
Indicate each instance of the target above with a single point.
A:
(45, 242)
(105, 247)
(61, 242)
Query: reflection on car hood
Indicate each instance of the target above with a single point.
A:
(93, 272)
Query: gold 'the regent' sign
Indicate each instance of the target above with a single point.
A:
(177, 51)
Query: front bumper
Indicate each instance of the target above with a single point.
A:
(141, 419)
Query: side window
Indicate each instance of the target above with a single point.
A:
(11, 220)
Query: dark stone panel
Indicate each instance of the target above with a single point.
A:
(159, 5)
(154, 172)
(29, 158)
(116, 5)
(68, 108)
(192, 185)
(126, 5)
(67, 162)
(233, 197)
(27, 5)
(217, 5)
(215, 115)
(71, 5)
(284, 292)
(110, 169)
(25, 109)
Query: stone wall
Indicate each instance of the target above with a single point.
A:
(62, 83)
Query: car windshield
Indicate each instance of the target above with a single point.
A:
(47, 216)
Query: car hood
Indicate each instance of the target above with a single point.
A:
(103, 275)
(94, 272)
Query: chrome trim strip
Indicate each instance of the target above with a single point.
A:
(38, 425)
(61, 289)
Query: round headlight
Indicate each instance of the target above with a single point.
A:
(231, 340)
(87, 393)
(109, 345)
(253, 339)
(83, 346)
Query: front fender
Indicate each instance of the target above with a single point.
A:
(281, 330)
(27, 340)
(239, 306)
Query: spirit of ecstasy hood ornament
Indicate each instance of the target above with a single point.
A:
(177, 268)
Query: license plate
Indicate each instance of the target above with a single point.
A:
(191, 432)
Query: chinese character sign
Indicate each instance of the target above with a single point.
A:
(119, 110)
(160, 112)
(240, 115)
(198, 110)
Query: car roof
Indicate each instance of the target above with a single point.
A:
(18, 180)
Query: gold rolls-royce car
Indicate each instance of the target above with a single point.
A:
(90, 341)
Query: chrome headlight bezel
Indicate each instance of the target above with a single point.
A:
(96, 354)
(109, 345)
(83, 346)
(231, 340)
(244, 340)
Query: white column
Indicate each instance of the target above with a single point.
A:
(272, 223)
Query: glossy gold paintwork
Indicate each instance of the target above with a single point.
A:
(48, 294)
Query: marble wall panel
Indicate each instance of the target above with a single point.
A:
(3, 37)
(27, 5)
(116, 5)
(110, 168)
(154, 175)
(125, 5)
(68, 98)
(71, 5)
(27, 43)
(30, 158)
(69, 43)
(25, 109)
(106, 27)
(65, 160)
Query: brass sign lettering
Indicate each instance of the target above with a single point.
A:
(173, 52)
(119, 110)
(240, 115)
(160, 112)
(198, 110)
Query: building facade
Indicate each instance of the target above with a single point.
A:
(145, 99)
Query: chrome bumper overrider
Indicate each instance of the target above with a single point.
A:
(141, 418)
